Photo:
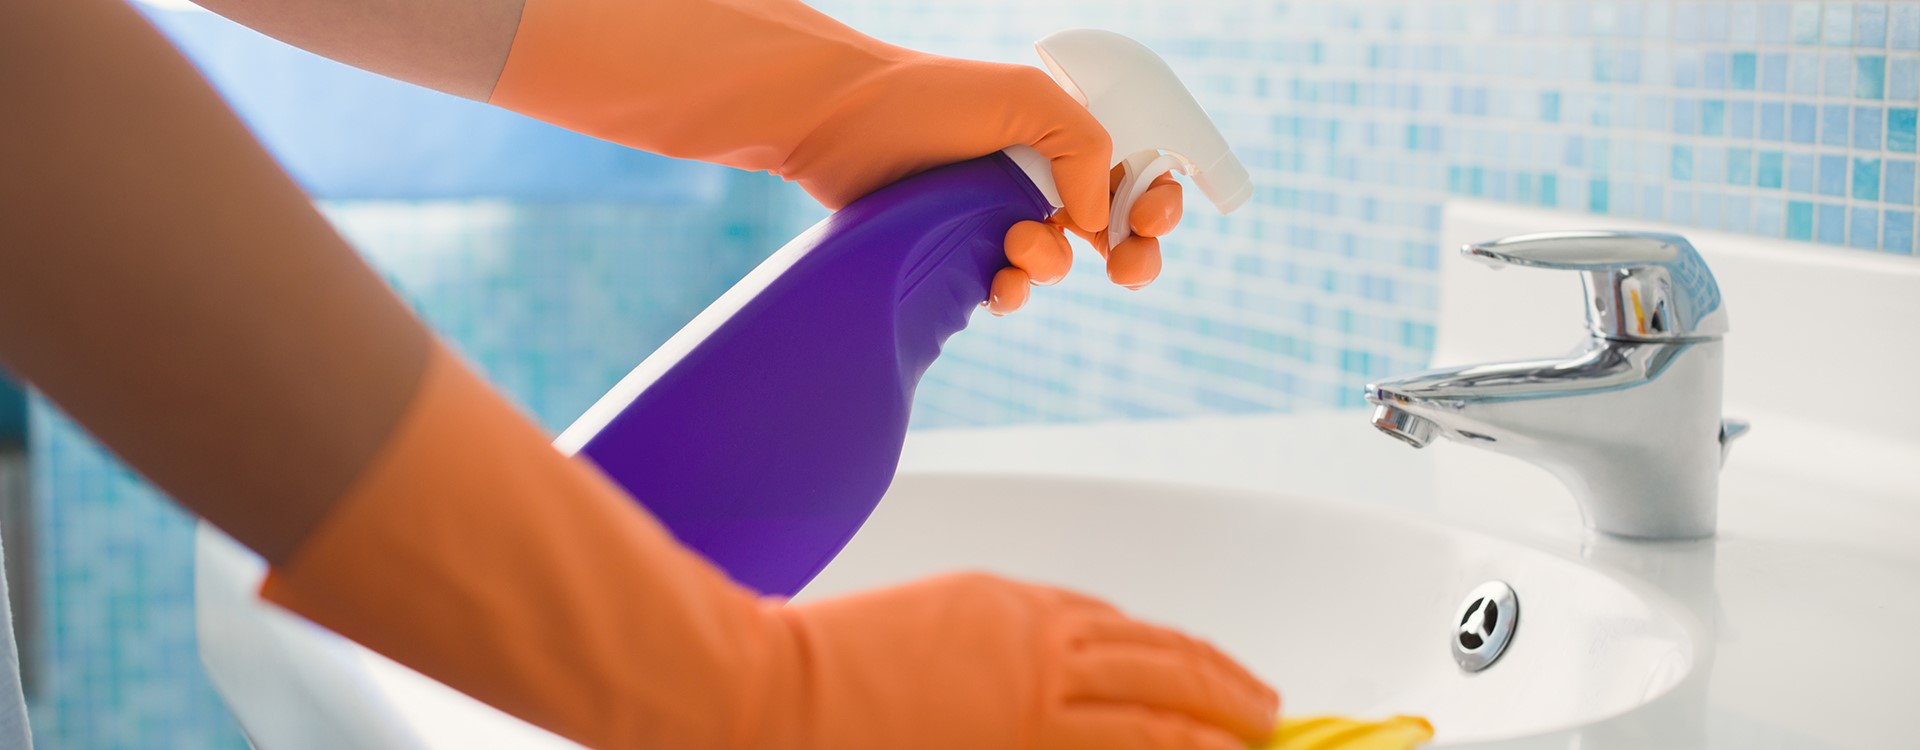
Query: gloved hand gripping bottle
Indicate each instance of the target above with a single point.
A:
(764, 432)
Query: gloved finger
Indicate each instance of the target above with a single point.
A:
(1040, 250)
(1096, 240)
(1156, 213)
(1085, 196)
(1009, 291)
(1080, 149)
(1121, 727)
(1158, 210)
(1172, 682)
(1135, 263)
(1127, 631)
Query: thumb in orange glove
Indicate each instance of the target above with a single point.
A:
(474, 552)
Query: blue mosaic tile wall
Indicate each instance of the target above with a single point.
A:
(557, 302)
(119, 658)
(1358, 120)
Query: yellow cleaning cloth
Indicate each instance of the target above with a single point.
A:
(1338, 733)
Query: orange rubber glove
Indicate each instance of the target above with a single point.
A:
(474, 552)
(775, 85)
(1040, 256)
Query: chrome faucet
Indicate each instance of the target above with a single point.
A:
(1631, 421)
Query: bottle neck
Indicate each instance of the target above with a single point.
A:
(1037, 169)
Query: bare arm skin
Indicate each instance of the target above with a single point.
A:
(169, 287)
(455, 46)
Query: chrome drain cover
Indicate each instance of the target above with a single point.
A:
(1485, 625)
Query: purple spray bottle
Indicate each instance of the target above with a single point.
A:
(766, 430)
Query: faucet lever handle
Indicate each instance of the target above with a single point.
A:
(1580, 251)
(1641, 286)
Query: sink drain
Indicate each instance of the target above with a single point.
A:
(1485, 625)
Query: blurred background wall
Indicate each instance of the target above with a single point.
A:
(558, 262)
(13, 410)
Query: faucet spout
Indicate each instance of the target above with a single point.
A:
(1404, 426)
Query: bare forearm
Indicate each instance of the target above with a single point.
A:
(455, 46)
(169, 287)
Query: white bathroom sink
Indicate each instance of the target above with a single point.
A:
(1345, 609)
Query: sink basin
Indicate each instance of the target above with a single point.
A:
(1344, 608)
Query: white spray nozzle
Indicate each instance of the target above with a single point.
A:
(1155, 123)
